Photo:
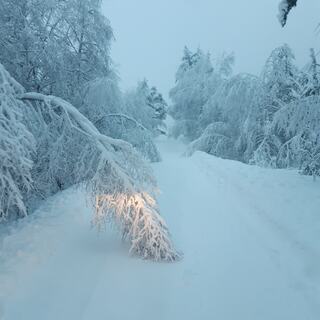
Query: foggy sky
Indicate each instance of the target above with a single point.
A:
(150, 34)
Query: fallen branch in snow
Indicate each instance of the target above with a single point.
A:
(120, 183)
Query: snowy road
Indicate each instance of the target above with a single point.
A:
(250, 239)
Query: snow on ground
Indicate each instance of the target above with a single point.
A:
(249, 237)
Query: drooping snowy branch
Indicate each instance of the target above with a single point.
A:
(121, 184)
(16, 148)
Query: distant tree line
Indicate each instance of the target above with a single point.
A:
(272, 120)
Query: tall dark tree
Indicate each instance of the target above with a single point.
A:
(157, 103)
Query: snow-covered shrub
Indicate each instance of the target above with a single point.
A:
(214, 140)
(16, 147)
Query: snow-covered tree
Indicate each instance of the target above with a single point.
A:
(16, 148)
(271, 120)
(159, 106)
(310, 76)
(195, 81)
(120, 183)
(189, 59)
(298, 127)
(100, 97)
(53, 46)
(121, 126)
(310, 164)
(267, 149)
(214, 140)
(228, 111)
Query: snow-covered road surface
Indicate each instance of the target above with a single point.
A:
(250, 239)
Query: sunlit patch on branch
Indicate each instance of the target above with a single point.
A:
(139, 221)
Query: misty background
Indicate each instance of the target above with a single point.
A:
(150, 35)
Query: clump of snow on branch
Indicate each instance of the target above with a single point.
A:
(285, 7)
(68, 150)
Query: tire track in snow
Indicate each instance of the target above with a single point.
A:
(292, 253)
